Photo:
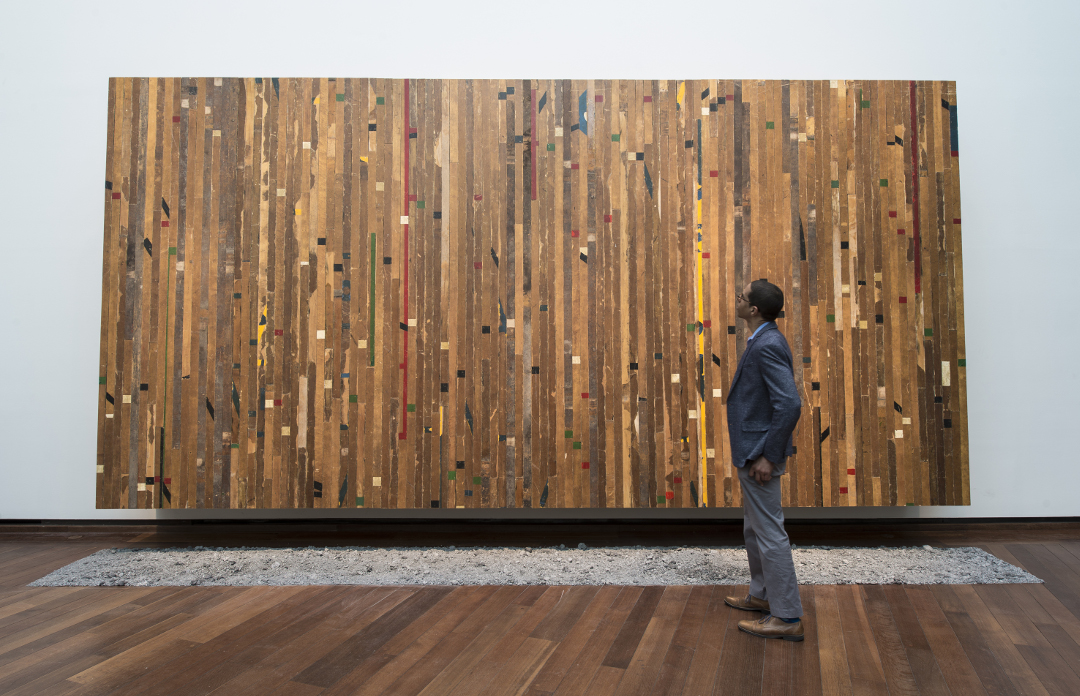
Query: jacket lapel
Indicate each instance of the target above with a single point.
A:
(746, 353)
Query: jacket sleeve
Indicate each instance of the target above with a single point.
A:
(776, 371)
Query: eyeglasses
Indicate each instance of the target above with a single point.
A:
(740, 297)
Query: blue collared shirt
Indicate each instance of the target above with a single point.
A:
(758, 330)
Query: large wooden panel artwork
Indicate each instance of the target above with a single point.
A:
(376, 293)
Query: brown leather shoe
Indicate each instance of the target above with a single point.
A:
(772, 627)
(748, 603)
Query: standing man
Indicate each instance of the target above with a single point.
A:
(763, 407)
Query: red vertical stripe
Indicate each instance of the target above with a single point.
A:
(915, 188)
(532, 145)
(405, 334)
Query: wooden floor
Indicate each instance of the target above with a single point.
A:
(961, 639)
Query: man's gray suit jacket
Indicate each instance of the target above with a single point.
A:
(763, 403)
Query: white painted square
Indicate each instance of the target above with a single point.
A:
(881, 393)
(320, 334)
(946, 377)
(907, 421)
(832, 84)
(592, 237)
(412, 322)
(632, 156)
(558, 131)
(445, 345)
(509, 323)
(362, 343)
(802, 137)
(281, 192)
(328, 384)
(183, 103)
(142, 486)
(877, 277)
(899, 434)
(584, 250)
(307, 145)
(845, 289)
(692, 415)
(862, 324)
(380, 186)
(269, 403)
(376, 480)
(108, 415)
(304, 263)
(217, 134)
(101, 468)
(675, 378)
(716, 393)
(566, 164)
(208, 111)
(575, 359)
(127, 398)
(404, 219)
(710, 453)
(704, 111)
(180, 266)
(286, 430)
(217, 81)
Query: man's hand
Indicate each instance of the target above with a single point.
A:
(761, 470)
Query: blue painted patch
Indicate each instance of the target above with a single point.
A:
(954, 133)
(582, 107)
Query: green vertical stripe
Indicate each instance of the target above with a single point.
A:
(371, 307)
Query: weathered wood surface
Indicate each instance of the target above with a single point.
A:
(484, 294)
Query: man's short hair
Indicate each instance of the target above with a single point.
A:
(768, 298)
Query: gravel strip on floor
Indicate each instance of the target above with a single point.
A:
(815, 565)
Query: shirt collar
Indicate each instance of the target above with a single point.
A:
(758, 330)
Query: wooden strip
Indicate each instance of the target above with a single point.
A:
(642, 674)
(410, 647)
(583, 669)
(942, 641)
(481, 635)
(865, 670)
(680, 651)
(835, 677)
(1047, 661)
(1011, 662)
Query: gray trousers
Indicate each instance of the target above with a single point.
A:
(772, 572)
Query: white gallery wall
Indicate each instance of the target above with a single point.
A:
(1017, 67)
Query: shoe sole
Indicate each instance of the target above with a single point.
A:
(736, 606)
(794, 639)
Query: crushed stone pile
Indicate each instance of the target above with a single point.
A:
(816, 565)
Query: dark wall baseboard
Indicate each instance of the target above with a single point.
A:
(539, 521)
(385, 533)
